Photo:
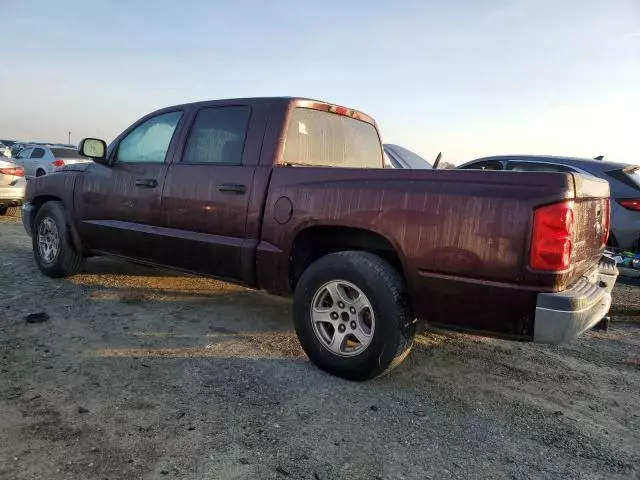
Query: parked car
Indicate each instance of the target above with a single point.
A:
(5, 151)
(39, 160)
(12, 185)
(400, 157)
(624, 181)
(288, 195)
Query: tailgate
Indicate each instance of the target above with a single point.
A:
(591, 225)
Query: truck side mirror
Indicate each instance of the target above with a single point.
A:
(95, 149)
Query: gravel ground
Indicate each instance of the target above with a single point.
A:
(144, 374)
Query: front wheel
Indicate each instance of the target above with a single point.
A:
(352, 315)
(53, 248)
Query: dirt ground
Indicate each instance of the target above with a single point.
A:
(143, 374)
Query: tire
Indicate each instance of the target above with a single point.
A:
(390, 339)
(3, 211)
(40, 173)
(66, 261)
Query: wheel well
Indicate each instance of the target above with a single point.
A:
(39, 201)
(315, 242)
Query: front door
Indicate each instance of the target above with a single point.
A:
(206, 195)
(118, 206)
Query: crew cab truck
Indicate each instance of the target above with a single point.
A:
(289, 195)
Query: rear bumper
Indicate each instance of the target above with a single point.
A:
(562, 316)
(12, 196)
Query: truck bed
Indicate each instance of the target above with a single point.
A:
(454, 230)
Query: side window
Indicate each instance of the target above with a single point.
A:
(537, 167)
(217, 136)
(37, 153)
(149, 141)
(485, 165)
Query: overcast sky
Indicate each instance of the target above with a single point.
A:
(468, 78)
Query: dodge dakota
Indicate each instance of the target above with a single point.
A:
(289, 195)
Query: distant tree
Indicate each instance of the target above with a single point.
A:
(445, 165)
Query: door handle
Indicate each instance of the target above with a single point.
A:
(234, 188)
(147, 182)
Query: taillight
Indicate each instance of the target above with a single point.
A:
(552, 238)
(340, 110)
(58, 163)
(606, 221)
(630, 203)
(15, 171)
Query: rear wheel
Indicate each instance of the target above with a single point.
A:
(3, 210)
(40, 172)
(352, 315)
(53, 248)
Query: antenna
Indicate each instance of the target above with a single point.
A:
(437, 161)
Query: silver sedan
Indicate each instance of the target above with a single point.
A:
(38, 160)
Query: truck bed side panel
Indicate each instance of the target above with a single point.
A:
(456, 228)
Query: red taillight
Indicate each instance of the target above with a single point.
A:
(551, 241)
(15, 171)
(606, 221)
(58, 163)
(630, 203)
(340, 110)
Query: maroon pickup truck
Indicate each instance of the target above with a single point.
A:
(289, 195)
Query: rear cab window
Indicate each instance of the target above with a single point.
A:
(324, 139)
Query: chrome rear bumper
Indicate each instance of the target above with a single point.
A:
(562, 316)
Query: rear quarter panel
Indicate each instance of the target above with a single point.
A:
(458, 233)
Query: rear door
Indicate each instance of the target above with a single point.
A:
(207, 191)
(118, 206)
